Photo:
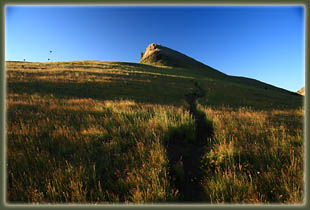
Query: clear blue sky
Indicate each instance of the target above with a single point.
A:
(260, 42)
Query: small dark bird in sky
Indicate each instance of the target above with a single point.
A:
(48, 59)
(50, 51)
(24, 59)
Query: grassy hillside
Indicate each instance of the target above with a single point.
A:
(103, 132)
(143, 83)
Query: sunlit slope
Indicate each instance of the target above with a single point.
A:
(301, 91)
(159, 55)
(142, 83)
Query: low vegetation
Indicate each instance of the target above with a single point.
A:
(110, 132)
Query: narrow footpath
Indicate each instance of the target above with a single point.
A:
(185, 156)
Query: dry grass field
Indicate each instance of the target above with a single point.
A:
(112, 132)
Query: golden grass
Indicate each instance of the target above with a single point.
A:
(73, 149)
(259, 160)
(250, 156)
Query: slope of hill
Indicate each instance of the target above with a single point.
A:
(143, 83)
(156, 54)
(159, 55)
(109, 132)
(163, 76)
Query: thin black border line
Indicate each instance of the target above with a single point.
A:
(223, 3)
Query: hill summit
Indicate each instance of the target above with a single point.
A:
(301, 91)
(159, 55)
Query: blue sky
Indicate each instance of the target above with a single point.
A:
(260, 42)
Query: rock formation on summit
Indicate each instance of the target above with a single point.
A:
(160, 55)
(301, 91)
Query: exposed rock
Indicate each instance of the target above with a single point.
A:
(156, 54)
(301, 91)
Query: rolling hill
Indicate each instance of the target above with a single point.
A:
(163, 76)
(167, 129)
(144, 83)
(159, 55)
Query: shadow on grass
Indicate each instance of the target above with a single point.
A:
(137, 91)
(185, 148)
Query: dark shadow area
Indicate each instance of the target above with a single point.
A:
(185, 147)
(137, 91)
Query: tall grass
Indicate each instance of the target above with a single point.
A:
(72, 139)
(86, 150)
(256, 157)
(113, 151)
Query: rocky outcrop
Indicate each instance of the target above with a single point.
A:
(156, 54)
(301, 91)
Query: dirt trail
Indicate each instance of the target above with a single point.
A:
(185, 156)
(204, 129)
